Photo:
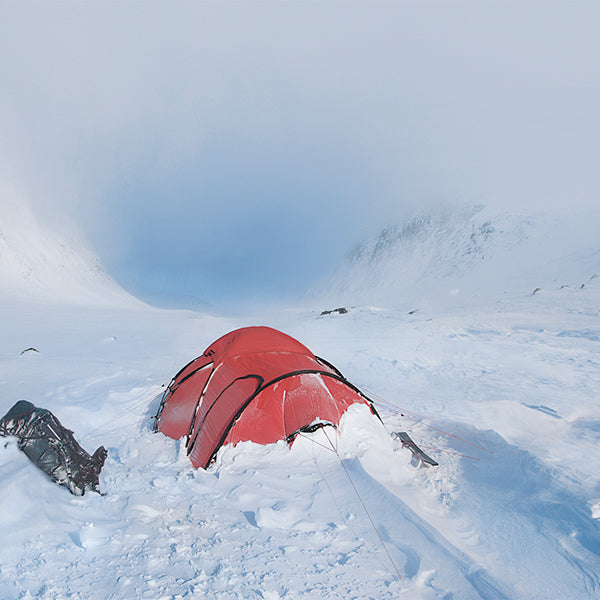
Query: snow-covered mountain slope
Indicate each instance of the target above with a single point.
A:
(463, 254)
(502, 392)
(38, 265)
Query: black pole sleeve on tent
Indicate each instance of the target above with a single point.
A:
(191, 441)
(337, 375)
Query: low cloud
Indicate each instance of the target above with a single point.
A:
(199, 145)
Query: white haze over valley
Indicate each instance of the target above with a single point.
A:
(476, 331)
(233, 152)
(410, 189)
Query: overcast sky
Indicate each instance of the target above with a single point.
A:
(236, 151)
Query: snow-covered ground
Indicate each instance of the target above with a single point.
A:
(499, 384)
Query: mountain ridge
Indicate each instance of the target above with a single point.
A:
(38, 264)
(468, 251)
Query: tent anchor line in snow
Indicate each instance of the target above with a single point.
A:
(253, 384)
(256, 384)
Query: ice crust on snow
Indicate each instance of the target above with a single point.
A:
(501, 390)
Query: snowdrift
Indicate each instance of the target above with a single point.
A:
(502, 391)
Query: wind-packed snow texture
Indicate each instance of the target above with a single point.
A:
(493, 377)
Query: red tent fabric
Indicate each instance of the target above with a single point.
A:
(255, 384)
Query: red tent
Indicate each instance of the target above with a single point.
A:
(255, 384)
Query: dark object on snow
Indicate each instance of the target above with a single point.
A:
(52, 447)
(408, 443)
(339, 311)
(30, 349)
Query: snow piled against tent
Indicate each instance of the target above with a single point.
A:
(501, 390)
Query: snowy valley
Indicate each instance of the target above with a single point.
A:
(476, 332)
